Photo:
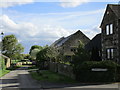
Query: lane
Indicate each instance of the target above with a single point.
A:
(19, 79)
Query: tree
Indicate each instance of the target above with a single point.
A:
(26, 56)
(11, 47)
(34, 53)
(35, 47)
(80, 56)
(45, 55)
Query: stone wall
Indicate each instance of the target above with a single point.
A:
(63, 69)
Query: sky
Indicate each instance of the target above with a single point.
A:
(41, 22)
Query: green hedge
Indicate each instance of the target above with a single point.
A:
(84, 71)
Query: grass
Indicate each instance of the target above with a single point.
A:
(15, 61)
(3, 72)
(51, 77)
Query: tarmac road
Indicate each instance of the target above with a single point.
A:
(20, 79)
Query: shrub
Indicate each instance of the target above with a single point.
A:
(84, 71)
(118, 73)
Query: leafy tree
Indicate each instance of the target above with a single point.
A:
(35, 47)
(34, 53)
(46, 54)
(80, 56)
(11, 47)
(26, 56)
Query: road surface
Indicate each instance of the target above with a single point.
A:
(20, 79)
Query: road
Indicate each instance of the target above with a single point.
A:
(20, 79)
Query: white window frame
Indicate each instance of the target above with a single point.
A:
(107, 29)
(111, 28)
(108, 53)
(112, 53)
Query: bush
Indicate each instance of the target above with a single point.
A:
(84, 71)
(118, 73)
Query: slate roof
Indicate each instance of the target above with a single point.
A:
(116, 9)
(57, 41)
(62, 40)
(95, 42)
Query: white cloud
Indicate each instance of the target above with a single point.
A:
(91, 32)
(72, 3)
(10, 3)
(30, 31)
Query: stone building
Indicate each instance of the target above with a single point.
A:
(68, 45)
(110, 33)
(94, 47)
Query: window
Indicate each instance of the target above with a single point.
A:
(73, 50)
(111, 28)
(110, 53)
(107, 30)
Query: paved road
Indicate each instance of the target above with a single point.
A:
(21, 80)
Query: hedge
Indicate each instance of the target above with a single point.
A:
(84, 71)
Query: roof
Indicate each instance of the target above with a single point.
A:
(94, 43)
(62, 40)
(115, 8)
(57, 41)
(4, 56)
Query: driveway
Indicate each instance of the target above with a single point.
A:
(20, 79)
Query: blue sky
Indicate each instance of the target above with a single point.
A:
(41, 23)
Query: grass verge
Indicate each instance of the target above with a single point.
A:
(3, 72)
(51, 77)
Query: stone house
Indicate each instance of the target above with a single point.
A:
(68, 45)
(94, 47)
(110, 33)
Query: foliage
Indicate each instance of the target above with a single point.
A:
(26, 56)
(34, 53)
(52, 77)
(84, 72)
(46, 54)
(15, 61)
(35, 47)
(80, 56)
(11, 47)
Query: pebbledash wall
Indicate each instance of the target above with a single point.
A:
(63, 69)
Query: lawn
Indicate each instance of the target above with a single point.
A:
(3, 72)
(51, 77)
